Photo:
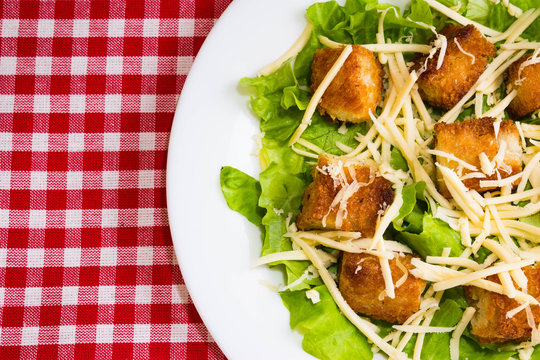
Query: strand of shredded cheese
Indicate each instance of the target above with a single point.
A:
(460, 327)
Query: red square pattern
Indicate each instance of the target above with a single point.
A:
(87, 269)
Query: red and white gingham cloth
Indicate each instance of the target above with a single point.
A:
(88, 90)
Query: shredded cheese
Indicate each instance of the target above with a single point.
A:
(313, 295)
(473, 58)
(417, 329)
(468, 278)
(460, 327)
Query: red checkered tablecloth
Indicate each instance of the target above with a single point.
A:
(88, 91)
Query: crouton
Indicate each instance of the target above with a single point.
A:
(444, 87)
(361, 283)
(527, 84)
(468, 139)
(362, 208)
(490, 324)
(357, 88)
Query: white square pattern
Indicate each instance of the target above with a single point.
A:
(147, 141)
(81, 27)
(73, 219)
(141, 333)
(35, 258)
(145, 255)
(77, 104)
(72, 257)
(70, 295)
(104, 333)
(79, 65)
(38, 180)
(30, 335)
(106, 295)
(43, 65)
(40, 142)
(37, 219)
(186, 27)
(116, 27)
(32, 296)
(7, 104)
(111, 141)
(66, 334)
(113, 103)
(5, 180)
(109, 218)
(76, 142)
(110, 179)
(6, 141)
(146, 179)
(4, 218)
(10, 28)
(45, 28)
(42, 104)
(8, 65)
(179, 333)
(108, 256)
(151, 28)
(149, 65)
(74, 180)
(148, 103)
(145, 217)
(115, 65)
(143, 294)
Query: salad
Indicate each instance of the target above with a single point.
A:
(399, 188)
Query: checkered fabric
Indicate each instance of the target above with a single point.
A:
(88, 90)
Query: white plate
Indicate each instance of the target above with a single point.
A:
(213, 127)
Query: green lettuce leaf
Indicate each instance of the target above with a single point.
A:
(532, 220)
(242, 193)
(327, 333)
(435, 236)
(278, 80)
(397, 161)
(411, 214)
(324, 134)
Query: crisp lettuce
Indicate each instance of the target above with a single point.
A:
(435, 236)
(242, 193)
(327, 332)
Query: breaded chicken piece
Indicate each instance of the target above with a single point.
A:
(445, 87)
(357, 87)
(467, 139)
(362, 207)
(361, 282)
(489, 324)
(528, 87)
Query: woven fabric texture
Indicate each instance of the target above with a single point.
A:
(88, 91)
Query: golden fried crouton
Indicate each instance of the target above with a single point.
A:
(490, 324)
(355, 90)
(446, 86)
(362, 207)
(361, 283)
(467, 139)
(527, 84)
